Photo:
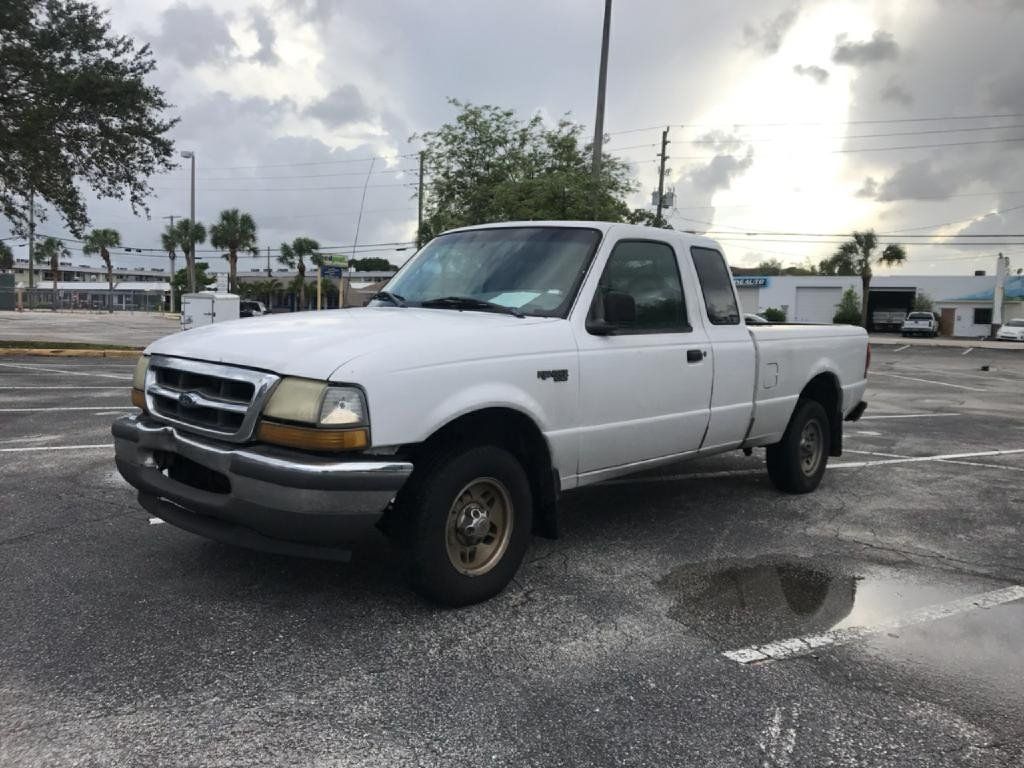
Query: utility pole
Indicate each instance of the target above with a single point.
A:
(602, 80)
(170, 255)
(270, 276)
(658, 221)
(419, 201)
(31, 247)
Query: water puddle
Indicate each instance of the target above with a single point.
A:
(740, 602)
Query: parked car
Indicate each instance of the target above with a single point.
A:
(249, 308)
(1012, 330)
(502, 366)
(888, 319)
(920, 324)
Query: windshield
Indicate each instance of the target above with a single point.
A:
(1016, 323)
(535, 270)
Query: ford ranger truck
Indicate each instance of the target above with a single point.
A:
(502, 366)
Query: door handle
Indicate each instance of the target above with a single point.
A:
(695, 355)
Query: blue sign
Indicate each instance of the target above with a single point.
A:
(750, 282)
(332, 271)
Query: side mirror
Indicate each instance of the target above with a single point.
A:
(619, 309)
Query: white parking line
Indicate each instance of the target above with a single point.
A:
(918, 459)
(60, 408)
(27, 448)
(801, 646)
(877, 416)
(155, 521)
(118, 376)
(900, 349)
(929, 381)
(967, 351)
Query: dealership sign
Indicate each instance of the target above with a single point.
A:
(750, 282)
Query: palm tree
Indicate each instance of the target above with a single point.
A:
(169, 242)
(51, 250)
(101, 241)
(188, 235)
(294, 256)
(234, 232)
(6, 257)
(856, 257)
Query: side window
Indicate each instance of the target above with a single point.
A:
(716, 285)
(649, 273)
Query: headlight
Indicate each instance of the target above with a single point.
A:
(336, 416)
(139, 377)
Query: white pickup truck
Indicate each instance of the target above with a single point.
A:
(502, 366)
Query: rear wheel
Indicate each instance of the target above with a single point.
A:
(797, 462)
(464, 524)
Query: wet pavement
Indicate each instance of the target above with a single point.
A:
(128, 643)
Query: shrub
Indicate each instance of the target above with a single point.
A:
(774, 315)
(848, 311)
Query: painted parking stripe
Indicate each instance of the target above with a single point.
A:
(918, 459)
(900, 349)
(801, 646)
(60, 408)
(28, 448)
(21, 366)
(928, 381)
(877, 416)
(967, 351)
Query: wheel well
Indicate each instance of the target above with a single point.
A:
(519, 434)
(824, 388)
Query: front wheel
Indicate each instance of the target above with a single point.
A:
(464, 524)
(797, 462)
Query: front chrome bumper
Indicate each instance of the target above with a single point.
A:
(273, 499)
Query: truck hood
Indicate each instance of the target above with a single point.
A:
(315, 344)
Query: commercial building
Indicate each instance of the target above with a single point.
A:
(964, 305)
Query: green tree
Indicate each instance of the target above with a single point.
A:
(774, 315)
(50, 250)
(234, 231)
(769, 267)
(6, 257)
(922, 303)
(848, 311)
(372, 264)
(188, 235)
(294, 256)
(101, 241)
(488, 165)
(647, 218)
(75, 107)
(180, 281)
(857, 257)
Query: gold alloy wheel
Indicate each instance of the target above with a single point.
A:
(812, 445)
(479, 526)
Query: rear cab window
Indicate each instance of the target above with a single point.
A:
(716, 286)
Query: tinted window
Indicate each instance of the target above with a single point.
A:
(716, 285)
(920, 316)
(648, 272)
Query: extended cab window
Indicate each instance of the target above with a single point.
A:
(716, 285)
(648, 272)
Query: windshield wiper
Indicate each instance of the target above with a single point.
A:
(468, 302)
(394, 298)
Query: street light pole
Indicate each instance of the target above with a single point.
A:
(602, 81)
(191, 257)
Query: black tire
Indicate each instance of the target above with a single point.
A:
(789, 467)
(424, 523)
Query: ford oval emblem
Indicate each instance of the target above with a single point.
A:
(188, 400)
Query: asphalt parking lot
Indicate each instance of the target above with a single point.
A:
(690, 616)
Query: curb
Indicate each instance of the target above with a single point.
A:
(46, 352)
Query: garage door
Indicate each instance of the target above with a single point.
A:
(816, 305)
(748, 299)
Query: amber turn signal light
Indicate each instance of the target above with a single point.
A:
(312, 439)
(138, 399)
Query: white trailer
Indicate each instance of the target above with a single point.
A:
(206, 308)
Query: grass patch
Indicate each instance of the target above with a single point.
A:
(6, 344)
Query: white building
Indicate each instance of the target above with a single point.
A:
(964, 304)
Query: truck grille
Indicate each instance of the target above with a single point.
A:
(208, 398)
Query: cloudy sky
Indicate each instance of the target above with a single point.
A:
(787, 116)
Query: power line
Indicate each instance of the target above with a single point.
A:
(309, 175)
